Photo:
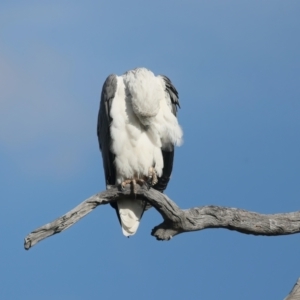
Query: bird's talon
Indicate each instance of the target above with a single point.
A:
(148, 184)
(134, 186)
(152, 176)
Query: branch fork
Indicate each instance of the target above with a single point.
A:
(175, 220)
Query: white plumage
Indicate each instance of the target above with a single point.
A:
(142, 125)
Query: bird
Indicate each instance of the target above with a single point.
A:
(137, 131)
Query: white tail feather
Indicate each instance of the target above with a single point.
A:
(130, 212)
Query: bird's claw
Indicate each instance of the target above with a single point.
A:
(133, 182)
(148, 181)
(152, 176)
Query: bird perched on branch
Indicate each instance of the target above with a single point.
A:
(137, 131)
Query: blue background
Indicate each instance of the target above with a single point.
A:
(236, 65)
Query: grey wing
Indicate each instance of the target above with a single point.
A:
(168, 155)
(170, 88)
(108, 93)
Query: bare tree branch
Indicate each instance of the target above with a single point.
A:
(295, 292)
(175, 219)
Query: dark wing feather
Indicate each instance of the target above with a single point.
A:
(104, 119)
(168, 155)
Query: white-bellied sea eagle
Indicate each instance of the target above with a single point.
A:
(137, 131)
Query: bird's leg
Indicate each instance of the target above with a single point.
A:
(140, 181)
(125, 182)
(133, 182)
(152, 176)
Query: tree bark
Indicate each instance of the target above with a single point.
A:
(176, 220)
(295, 292)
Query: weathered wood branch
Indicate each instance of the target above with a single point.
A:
(175, 219)
(295, 292)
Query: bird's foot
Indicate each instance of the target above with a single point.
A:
(133, 182)
(149, 180)
(152, 176)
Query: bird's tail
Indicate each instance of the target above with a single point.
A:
(130, 213)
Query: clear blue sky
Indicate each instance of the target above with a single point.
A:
(236, 65)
